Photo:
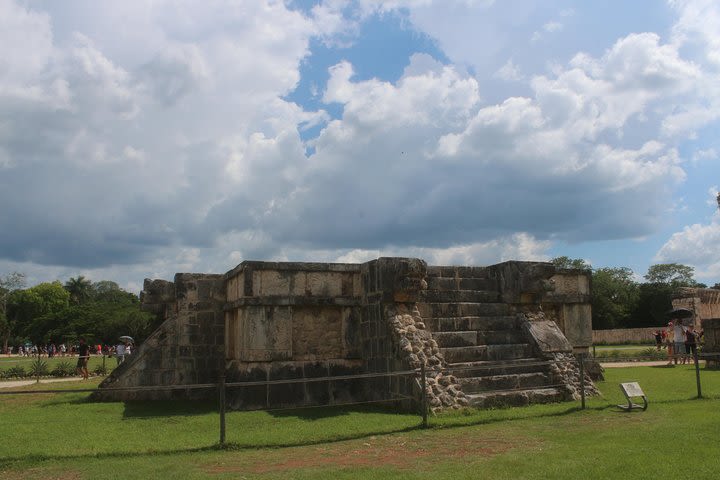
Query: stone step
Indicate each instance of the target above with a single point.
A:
(483, 323)
(457, 272)
(451, 283)
(490, 368)
(510, 351)
(451, 296)
(516, 398)
(463, 309)
(504, 382)
(474, 337)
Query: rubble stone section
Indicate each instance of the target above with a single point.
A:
(416, 346)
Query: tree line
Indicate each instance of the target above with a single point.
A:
(62, 313)
(619, 300)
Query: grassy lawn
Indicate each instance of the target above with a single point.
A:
(65, 436)
(93, 362)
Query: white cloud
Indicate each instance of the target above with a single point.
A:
(171, 144)
(509, 72)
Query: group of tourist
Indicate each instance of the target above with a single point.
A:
(48, 350)
(82, 349)
(680, 341)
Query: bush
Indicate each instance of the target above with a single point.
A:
(100, 370)
(63, 369)
(16, 371)
(38, 368)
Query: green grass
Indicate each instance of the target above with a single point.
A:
(63, 435)
(93, 362)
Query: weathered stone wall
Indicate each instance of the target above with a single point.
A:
(711, 329)
(296, 321)
(705, 302)
(186, 349)
(625, 335)
(568, 304)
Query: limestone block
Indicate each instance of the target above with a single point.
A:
(298, 283)
(272, 282)
(571, 283)
(357, 285)
(324, 284)
(266, 333)
(577, 324)
(547, 336)
(317, 333)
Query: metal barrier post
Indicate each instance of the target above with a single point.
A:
(221, 399)
(423, 398)
(104, 369)
(582, 380)
(697, 373)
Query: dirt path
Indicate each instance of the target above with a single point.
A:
(656, 363)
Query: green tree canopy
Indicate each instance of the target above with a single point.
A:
(80, 289)
(673, 274)
(28, 307)
(8, 284)
(571, 263)
(615, 297)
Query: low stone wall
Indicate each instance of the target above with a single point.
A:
(624, 335)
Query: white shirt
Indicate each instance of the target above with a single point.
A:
(119, 349)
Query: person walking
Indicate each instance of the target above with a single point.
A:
(669, 343)
(83, 357)
(120, 352)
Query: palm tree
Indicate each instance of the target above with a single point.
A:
(80, 289)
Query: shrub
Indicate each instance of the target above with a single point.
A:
(38, 368)
(100, 370)
(63, 369)
(16, 371)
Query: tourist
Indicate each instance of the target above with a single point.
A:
(691, 341)
(83, 357)
(120, 353)
(679, 340)
(658, 339)
(669, 343)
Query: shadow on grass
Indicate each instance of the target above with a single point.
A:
(323, 412)
(168, 408)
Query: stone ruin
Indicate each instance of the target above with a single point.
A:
(483, 334)
(705, 305)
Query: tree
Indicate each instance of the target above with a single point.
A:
(615, 297)
(570, 263)
(655, 296)
(8, 284)
(673, 274)
(30, 309)
(80, 289)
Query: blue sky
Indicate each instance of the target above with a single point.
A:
(139, 139)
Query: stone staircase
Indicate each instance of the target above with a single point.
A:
(482, 342)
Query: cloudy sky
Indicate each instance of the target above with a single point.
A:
(143, 138)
